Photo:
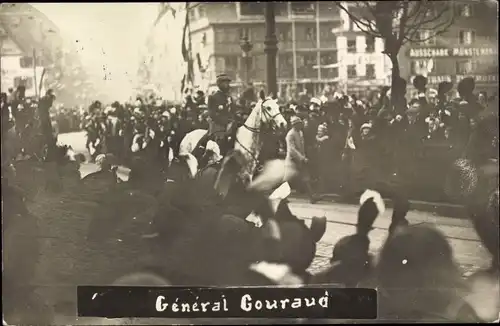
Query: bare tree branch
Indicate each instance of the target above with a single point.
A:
(399, 22)
(420, 13)
(402, 24)
(439, 27)
(363, 26)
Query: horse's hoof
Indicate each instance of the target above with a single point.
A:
(318, 227)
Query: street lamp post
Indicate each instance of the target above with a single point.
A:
(246, 47)
(271, 48)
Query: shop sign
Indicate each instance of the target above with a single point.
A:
(480, 79)
(450, 52)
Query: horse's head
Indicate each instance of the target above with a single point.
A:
(270, 112)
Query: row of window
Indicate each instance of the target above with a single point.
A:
(308, 8)
(425, 37)
(462, 67)
(285, 62)
(465, 37)
(352, 71)
(283, 33)
(305, 59)
(352, 46)
(257, 8)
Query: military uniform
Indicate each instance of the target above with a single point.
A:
(220, 109)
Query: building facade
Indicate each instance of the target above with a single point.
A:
(34, 53)
(17, 68)
(468, 48)
(362, 65)
(307, 54)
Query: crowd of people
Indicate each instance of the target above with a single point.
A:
(346, 139)
(190, 242)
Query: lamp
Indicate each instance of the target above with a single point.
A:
(246, 47)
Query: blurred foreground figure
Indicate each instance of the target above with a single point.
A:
(419, 281)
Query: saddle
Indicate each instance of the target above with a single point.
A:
(201, 146)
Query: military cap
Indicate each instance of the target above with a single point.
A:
(223, 77)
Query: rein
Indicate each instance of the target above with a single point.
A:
(258, 130)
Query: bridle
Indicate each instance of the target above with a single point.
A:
(269, 118)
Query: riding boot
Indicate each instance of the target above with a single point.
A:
(199, 150)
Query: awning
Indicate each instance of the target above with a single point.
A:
(329, 66)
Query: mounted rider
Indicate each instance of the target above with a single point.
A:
(94, 128)
(221, 110)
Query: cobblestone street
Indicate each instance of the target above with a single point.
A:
(468, 251)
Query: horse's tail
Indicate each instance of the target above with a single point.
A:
(191, 162)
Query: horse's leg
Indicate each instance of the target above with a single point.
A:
(87, 144)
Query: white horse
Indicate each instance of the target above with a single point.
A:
(249, 137)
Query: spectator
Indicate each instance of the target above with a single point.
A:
(324, 150)
(419, 280)
(296, 155)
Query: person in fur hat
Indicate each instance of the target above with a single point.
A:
(420, 84)
(466, 92)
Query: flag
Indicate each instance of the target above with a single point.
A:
(183, 83)
(186, 51)
(198, 58)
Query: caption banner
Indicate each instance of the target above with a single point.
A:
(231, 302)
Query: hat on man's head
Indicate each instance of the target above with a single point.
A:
(222, 78)
(295, 120)
(366, 125)
(316, 101)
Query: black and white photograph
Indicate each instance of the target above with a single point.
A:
(260, 162)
